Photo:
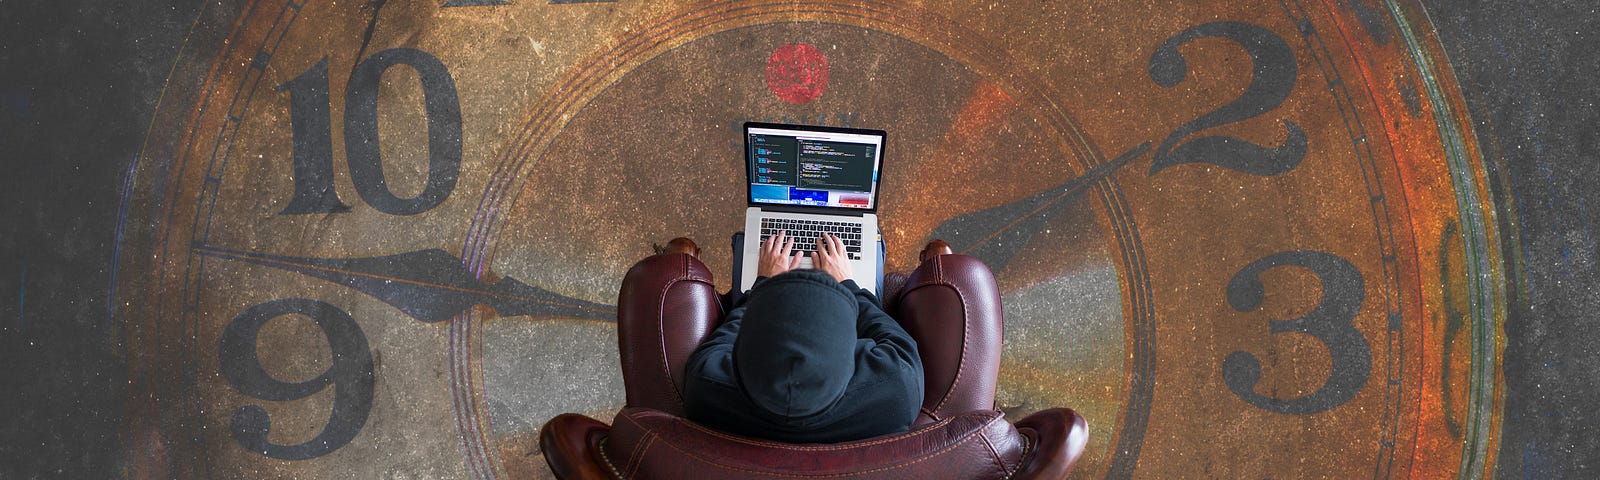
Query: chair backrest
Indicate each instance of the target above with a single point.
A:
(652, 444)
(959, 434)
(646, 444)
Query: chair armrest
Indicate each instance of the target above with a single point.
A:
(667, 304)
(951, 306)
(1058, 436)
(571, 446)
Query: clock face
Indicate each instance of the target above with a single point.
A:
(385, 238)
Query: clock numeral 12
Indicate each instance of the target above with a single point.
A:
(313, 132)
(351, 374)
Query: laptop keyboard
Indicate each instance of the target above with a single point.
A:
(806, 233)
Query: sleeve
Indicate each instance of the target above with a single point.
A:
(709, 375)
(753, 285)
(885, 352)
(872, 323)
(735, 298)
(713, 359)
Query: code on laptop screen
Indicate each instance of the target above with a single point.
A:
(822, 169)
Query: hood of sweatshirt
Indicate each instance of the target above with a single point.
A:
(796, 348)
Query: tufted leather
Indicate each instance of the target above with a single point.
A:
(950, 304)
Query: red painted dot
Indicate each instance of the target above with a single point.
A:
(797, 73)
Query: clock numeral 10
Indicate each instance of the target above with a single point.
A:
(309, 115)
(1330, 322)
(351, 374)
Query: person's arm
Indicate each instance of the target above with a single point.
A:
(716, 351)
(887, 355)
(777, 256)
(891, 343)
(711, 362)
(888, 337)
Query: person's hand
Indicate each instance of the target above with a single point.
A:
(831, 257)
(777, 255)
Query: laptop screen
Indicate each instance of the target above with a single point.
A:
(813, 166)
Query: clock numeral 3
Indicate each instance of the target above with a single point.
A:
(351, 375)
(309, 106)
(1331, 322)
(1271, 80)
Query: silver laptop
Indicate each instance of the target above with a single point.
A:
(807, 180)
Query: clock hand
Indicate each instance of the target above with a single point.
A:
(994, 235)
(429, 285)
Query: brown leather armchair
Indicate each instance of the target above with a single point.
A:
(949, 304)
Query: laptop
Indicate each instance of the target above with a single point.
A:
(807, 180)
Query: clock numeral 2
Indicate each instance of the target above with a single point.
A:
(1331, 322)
(309, 107)
(351, 374)
(1271, 80)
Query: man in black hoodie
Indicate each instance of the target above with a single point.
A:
(807, 356)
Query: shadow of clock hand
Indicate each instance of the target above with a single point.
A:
(429, 285)
(994, 235)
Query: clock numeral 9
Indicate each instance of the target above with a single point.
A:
(313, 132)
(1271, 80)
(1331, 322)
(351, 375)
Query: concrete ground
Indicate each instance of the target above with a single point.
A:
(81, 90)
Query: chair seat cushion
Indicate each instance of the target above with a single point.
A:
(647, 444)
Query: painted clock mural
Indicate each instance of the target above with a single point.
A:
(383, 239)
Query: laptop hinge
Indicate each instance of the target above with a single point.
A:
(814, 210)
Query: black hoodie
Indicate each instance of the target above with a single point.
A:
(805, 359)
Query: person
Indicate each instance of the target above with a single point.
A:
(806, 356)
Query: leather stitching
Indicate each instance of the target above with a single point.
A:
(661, 342)
(821, 448)
(1025, 458)
(999, 463)
(941, 451)
(606, 459)
(682, 274)
(638, 461)
(639, 447)
(636, 457)
(966, 334)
